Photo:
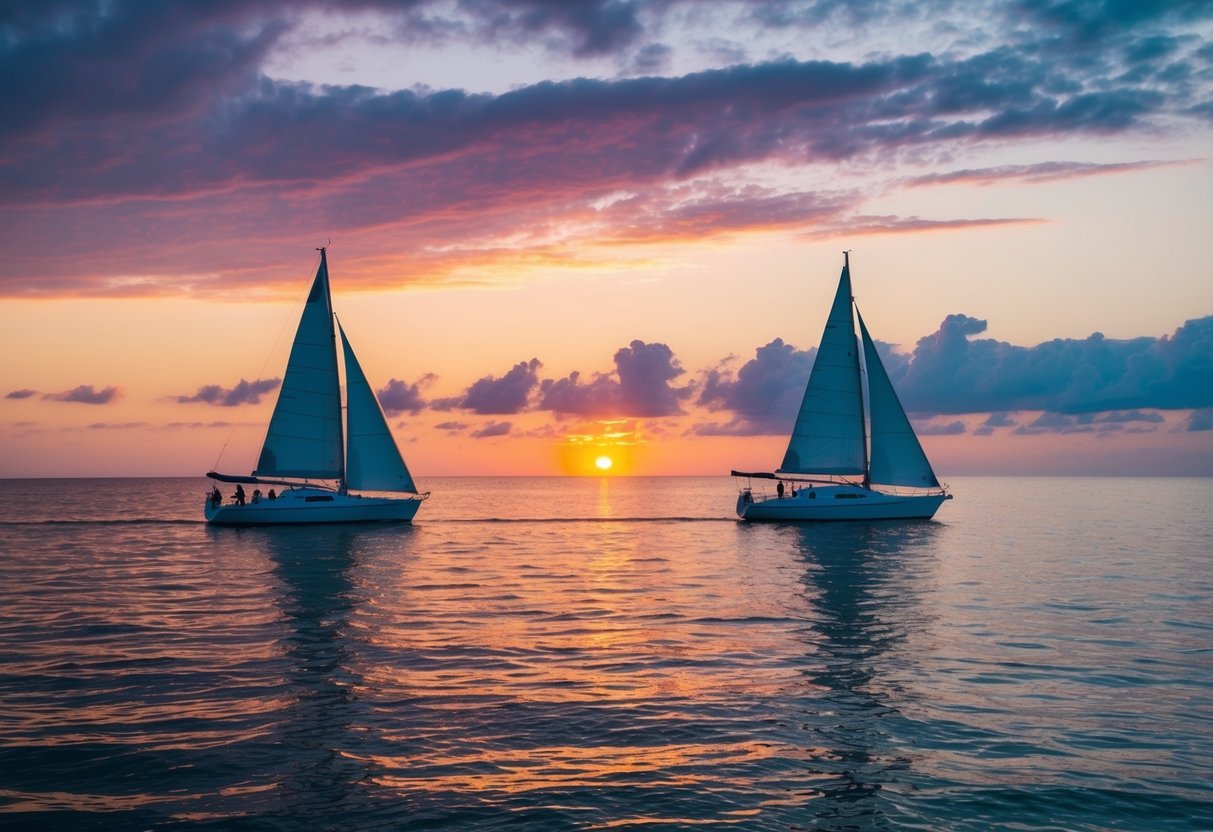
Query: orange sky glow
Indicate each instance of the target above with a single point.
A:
(578, 243)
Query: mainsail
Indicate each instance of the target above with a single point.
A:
(373, 461)
(829, 434)
(304, 435)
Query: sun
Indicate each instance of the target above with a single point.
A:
(603, 463)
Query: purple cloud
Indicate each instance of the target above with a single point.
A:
(952, 372)
(85, 394)
(21, 394)
(492, 429)
(81, 62)
(1040, 172)
(1099, 424)
(994, 421)
(1200, 420)
(1129, 416)
(505, 395)
(401, 397)
(864, 225)
(954, 428)
(592, 28)
(245, 392)
(763, 395)
(640, 386)
(1062, 423)
(115, 109)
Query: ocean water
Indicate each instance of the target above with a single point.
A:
(593, 654)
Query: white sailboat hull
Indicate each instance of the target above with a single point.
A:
(314, 505)
(839, 502)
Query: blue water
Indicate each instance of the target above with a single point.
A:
(540, 654)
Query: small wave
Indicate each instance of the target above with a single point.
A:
(429, 521)
(161, 521)
(158, 521)
(131, 521)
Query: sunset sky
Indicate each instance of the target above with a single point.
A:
(566, 230)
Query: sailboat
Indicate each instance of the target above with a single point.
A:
(315, 456)
(839, 465)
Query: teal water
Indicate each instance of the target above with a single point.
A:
(540, 654)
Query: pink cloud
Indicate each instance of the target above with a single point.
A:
(85, 394)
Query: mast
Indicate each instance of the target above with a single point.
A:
(332, 335)
(863, 397)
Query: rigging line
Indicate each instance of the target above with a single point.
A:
(277, 340)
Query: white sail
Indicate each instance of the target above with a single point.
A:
(373, 461)
(897, 455)
(829, 434)
(304, 435)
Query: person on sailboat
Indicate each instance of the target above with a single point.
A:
(216, 496)
(779, 489)
(238, 497)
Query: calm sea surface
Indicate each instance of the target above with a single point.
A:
(540, 654)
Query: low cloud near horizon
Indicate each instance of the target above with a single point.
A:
(244, 392)
(1076, 385)
(85, 394)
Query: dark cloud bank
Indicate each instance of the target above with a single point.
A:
(642, 385)
(1081, 385)
(141, 103)
(497, 396)
(954, 372)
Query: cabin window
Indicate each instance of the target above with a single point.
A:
(318, 499)
(849, 496)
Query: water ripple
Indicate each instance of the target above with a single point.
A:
(646, 665)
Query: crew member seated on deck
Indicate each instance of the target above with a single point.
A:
(272, 495)
(256, 495)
